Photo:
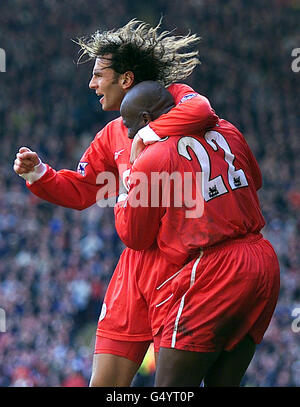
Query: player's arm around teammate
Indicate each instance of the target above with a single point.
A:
(110, 149)
(223, 301)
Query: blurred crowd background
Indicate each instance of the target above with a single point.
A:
(55, 262)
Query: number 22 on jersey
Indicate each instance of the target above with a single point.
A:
(215, 187)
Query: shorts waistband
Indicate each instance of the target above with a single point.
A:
(249, 238)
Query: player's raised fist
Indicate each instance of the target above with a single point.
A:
(25, 161)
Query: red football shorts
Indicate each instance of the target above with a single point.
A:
(137, 296)
(231, 290)
(134, 351)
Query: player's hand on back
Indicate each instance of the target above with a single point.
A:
(25, 161)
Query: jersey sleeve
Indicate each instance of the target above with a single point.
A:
(137, 218)
(191, 114)
(255, 170)
(252, 162)
(77, 189)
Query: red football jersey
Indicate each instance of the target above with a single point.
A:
(207, 195)
(109, 153)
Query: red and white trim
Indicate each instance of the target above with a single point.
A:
(180, 309)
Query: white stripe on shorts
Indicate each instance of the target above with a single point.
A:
(193, 276)
(161, 303)
(170, 278)
(176, 322)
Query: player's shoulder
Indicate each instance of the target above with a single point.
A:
(233, 135)
(115, 124)
(182, 92)
(177, 87)
(226, 126)
(112, 133)
(111, 137)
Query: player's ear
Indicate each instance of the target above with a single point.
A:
(146, 118)
(127, 80)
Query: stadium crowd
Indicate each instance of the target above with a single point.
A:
(56, 262)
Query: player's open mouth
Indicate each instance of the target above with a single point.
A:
(101, 97)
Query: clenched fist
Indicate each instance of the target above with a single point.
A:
(25, 161)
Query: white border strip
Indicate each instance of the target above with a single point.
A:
(193, 276)
(161, 303)
(170, 278)
(176, 322)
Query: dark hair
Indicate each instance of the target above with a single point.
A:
(142, 62)
(139, 48)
